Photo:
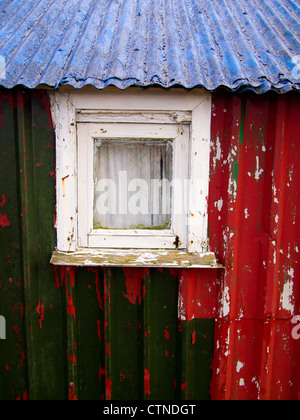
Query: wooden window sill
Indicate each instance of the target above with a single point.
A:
(135, 258)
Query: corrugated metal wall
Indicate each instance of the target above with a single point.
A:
(255, 230)
(149, 333)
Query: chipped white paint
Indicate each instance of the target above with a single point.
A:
(226, 301)
(275, 194)
(287, 296)
(234, 149)
(232, 187)
(258, 172)
(181, 311)
(242, 382)
(247, 214)
(70, 106)
(219, 204)
(218, 152)
(227, 341)
(239, 366)
(256, 382)
(134, 258)
(63, 114)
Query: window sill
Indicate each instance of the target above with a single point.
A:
(135, 258)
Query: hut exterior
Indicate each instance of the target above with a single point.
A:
(222, 322)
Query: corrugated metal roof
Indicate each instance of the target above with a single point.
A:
(209, 43)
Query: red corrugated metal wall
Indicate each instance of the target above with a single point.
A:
(255, 231)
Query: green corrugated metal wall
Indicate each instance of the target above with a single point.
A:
(85, 333)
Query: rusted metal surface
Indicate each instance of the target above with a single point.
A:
(154, 333)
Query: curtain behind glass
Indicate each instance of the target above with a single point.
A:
(132, 184)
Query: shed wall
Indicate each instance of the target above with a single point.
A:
(255, 231)
(90, 333)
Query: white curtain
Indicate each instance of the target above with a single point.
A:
(132, 183)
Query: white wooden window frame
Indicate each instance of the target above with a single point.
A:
(146, 108)
(176, 236)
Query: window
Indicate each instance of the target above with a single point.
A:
(132, 174)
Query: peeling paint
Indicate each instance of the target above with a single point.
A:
(287, 296)
(219, 204)
(4, 222)
(218, 152)
(167, 335)
(146, 382)
(239, 366)
(134, 279)
(3, 200)
(226, 301)
(258, 172)
(41, 312)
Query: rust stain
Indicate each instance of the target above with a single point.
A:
(71, 307)
(57, 281)
(108, 385)
(4, 222)
(44, 99)
(146, 382)
(108, 382)
(72, 395)
(134, 279)
(167, 335)
(41, 312)
(97, 284)
(1, 119)
(72, 357)
(3, 200)
(99, 330)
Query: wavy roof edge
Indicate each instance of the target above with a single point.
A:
(243, 86)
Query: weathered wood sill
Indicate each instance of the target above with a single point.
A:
(135, 258)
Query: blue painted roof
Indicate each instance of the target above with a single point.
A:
(235, 43)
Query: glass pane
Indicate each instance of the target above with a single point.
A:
(132, 184)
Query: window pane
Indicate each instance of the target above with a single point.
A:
(132, 183)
